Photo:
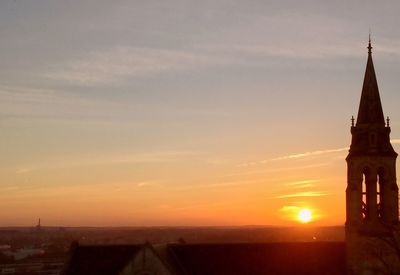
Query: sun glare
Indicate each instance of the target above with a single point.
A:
(304, 215)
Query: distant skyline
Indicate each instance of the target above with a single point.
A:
(174, 112)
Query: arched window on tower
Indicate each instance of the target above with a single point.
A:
(364, 204)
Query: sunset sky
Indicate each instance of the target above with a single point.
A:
(212, 112)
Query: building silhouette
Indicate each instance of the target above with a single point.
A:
(372, 243)
(38, 226)
(372, 211)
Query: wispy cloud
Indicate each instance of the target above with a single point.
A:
(286, 51)
(155, 157)
(119, 63)
(23, 170)
(304, 155)
(281, 169)
(389, 47)
(301, 36)
(289, 208)
(29, 102)
(302, 194)
(149, 183)
(28, 94)
(308, 154)
(296, 156)
(301, 184)
(295, 183)
(218, 184)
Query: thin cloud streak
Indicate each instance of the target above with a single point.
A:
(302, 194)
(120, 63)
(296, 183)
(157, 157)
(150, 183)
(268, 171)
(308, 154)
(289, 208)
(21, 102)
(295, 156)
(218, 184)
(284, 51)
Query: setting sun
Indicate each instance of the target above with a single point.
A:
(305, 215)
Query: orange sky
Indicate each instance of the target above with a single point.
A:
(185, 112)
(206, 192)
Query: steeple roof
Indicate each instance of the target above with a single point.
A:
(370, 110)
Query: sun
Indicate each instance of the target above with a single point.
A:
(304, 215)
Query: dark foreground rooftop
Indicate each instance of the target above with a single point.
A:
(208, 259)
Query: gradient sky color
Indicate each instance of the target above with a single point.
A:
(185, 112)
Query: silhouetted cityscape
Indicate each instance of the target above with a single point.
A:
(45, 251)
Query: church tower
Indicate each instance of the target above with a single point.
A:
(372, 214)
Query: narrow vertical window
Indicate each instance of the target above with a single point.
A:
(364, 206)
(379, 193)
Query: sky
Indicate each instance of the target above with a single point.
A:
(130, 113)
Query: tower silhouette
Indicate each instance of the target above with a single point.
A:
(372, 214)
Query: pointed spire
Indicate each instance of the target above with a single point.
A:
(369, 44)
(370, 110)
